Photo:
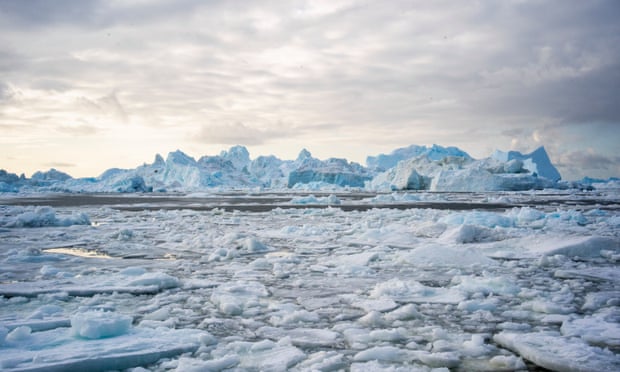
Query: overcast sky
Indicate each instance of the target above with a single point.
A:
(87, 85)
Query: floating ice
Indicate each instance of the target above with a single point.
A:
(99, 324)
(262, 355)
(577, 246)
(90, 285)
(559, 353)
(39, 217)
(311, 199)
(307, 289)
(57, 350)
(413, 291)
(235, 298)
(478, 218)
(600, 329)
(444, 256)
(382, 353)
(302, 337)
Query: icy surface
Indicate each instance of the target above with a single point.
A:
(434, 168)
(459, 172)
(310, 281)
(537, 161)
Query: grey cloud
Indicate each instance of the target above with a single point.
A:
(11, 61)
(33, 13)
(52, 84)
(6, 92)
(578, 164)
(590, 160)
(94, 14)
(108, 105)
(238, 133)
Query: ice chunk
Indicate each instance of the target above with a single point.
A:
(378, 304)
(253, 245)
(99, 324)
(559, 353)
(501, 285)
(157, 279)
(234, 298)
(405, 312)
(596, 300)
(445, 256)
(56, 350)
(478, 218)
(40, 217)
(413, 291)
(311, 199)
(599, 329)
(476, 346)
(288, 317)
(466, 234)
(578, 246)
(611, 274)
(449, 359)
(323, 361)
(507, 363)
(303, 337)
(382, 353)
(262, 355)
(21, 333)
(198, 365)
(90, 285)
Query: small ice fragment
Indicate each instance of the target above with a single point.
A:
(507, 363)
(382, 353)
(99, 324)
(19, 334)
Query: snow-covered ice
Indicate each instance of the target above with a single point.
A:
(274, 281)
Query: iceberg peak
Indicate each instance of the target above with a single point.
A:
(159, 160)
(536, 161)
(238, 155)
(179, 157)
(303, 155)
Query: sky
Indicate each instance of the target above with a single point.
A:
(87, 85)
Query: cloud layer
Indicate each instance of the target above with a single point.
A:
(108, 83)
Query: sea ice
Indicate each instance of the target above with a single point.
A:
(559, 353)
(57, 349)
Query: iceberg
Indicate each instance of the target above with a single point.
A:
(537, 162)
(433, 168)
(435, 152)
(332, 171)
(462, 174)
